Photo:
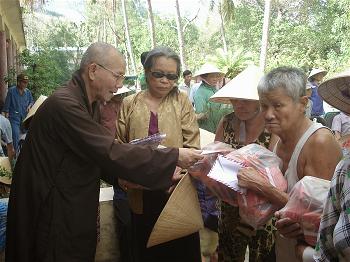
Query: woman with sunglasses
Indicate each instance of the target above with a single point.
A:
(161, 108)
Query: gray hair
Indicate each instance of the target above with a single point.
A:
(162, 51)
(98, 52)
(291, 79)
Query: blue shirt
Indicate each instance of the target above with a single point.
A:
(317, 101)
(16, 104)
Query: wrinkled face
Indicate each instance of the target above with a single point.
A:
(160, 78)
(213, 79)
(107, 79)
(245, 109)
(281, 113)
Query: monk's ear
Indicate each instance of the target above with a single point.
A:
(92, 71)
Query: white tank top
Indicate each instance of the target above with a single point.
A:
(285, 247)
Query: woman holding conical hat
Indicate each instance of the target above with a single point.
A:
(333, 243)
(208, 113)
(243, 126)
(161, 108)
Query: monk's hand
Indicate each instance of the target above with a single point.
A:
(287, 227)
(188, 157)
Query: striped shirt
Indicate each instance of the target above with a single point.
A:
(333, 243)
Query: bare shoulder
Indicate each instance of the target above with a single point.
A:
(323, 137)
(321, 154)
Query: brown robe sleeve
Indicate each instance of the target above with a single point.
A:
(91, 141)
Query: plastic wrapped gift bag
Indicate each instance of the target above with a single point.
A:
(305, 205)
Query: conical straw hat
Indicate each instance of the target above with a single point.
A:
(181, 215)
(206, 69)
(206, 137)
(35, 107)
(5, 163)
(316, 71)
(336, 91)
(243, 86)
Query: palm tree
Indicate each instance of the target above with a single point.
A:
(151, 23)
(265, 36)
(226, 10)
(231, 63)
(180, 35)
(128, 39)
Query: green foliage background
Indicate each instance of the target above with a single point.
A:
(306, 34)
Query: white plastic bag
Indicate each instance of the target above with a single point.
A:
(305, 205)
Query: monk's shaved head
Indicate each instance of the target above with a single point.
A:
(100, 53)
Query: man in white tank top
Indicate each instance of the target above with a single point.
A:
(306, 149)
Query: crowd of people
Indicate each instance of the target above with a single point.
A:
(84, 132)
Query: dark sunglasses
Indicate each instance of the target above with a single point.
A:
(161, 75)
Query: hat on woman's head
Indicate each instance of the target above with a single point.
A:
(207, 69)
(316, 71)
(336, 91)
(243, 86)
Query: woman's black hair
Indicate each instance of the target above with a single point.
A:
(162, 51)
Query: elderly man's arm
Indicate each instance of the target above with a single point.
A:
(319, 158)
(250, 179)
(321, 155)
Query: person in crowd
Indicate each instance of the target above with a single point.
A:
(243, 126)
(109, 117)
(208, 113)
(341, 125)
(6, 138)
(142, 78)
(333, 243)
(194, 88)
(162, 108)
(315, 79)
(283, 102)
(186, 85)
(309, 102)
(55, 186)
(18, 101)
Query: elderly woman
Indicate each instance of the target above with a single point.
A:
(161, 108)
(208, 113)
(305, 148)
(244, 126)
(334, 233)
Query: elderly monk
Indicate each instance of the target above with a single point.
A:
(55, 190)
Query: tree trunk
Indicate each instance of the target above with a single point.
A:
(180, 35)
(128, 40)
(222, 29)
(151, 23)
(265, 36)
